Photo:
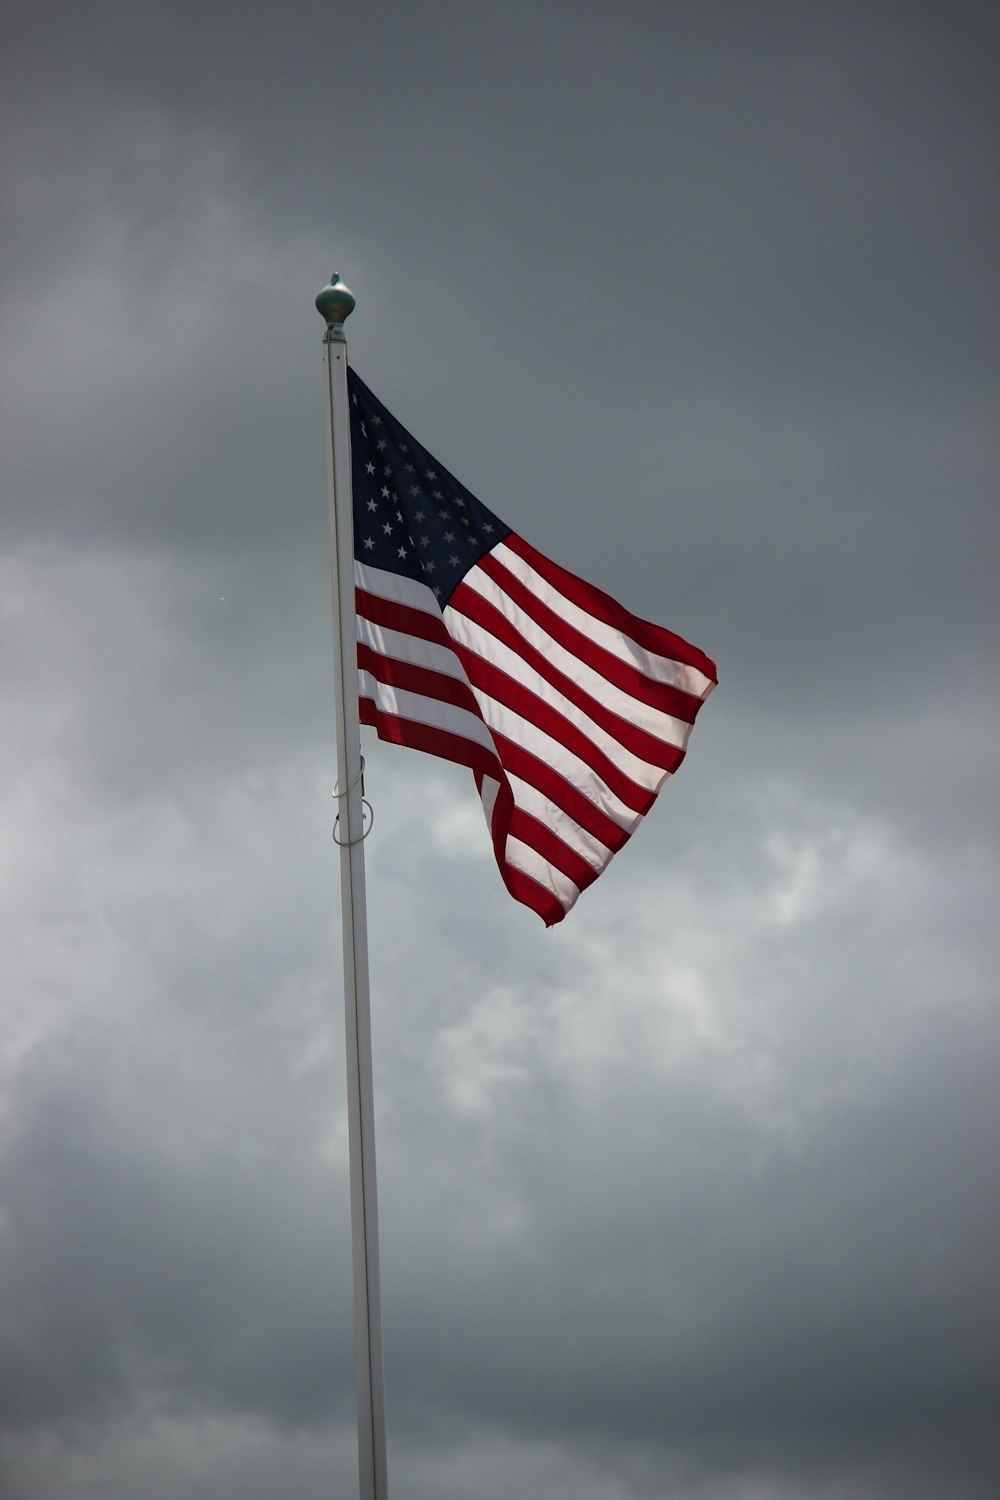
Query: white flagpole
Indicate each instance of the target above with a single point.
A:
(335, 303)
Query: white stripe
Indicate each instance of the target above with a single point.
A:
(660, 668)
(522, 857)
(662, 726)
(489, 794)
(583, 843)
(412, 649)
(483, 644)
(395, 587)
(421, 710)
(555, 755)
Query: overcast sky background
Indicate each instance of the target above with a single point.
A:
(695, 1197)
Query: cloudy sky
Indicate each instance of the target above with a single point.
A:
(694, 1197)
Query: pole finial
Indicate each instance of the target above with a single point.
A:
(335, 302)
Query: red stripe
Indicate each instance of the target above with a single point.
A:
(433, 741)
(414, 679)
(482, 612)
(402, 617)
(527, 828)
(514, 758)
(530, 893)
(596, 602)
(629, 679)
(503, 808)
(452, 747)
(528, 705)
(540, 775)
(522, 887)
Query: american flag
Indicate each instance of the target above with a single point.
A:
(570, 711)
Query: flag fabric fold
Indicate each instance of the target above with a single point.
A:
(569, 711)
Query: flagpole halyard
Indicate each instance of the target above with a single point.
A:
(335, 303)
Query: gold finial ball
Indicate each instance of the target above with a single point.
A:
(335, 302)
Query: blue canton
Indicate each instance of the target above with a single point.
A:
(410, 515)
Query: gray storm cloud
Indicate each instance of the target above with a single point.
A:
(697, 1195)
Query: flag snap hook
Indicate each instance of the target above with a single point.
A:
(360, 777)
(349, 843)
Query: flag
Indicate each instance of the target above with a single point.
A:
(570, 711)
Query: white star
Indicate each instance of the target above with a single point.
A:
(459, 500)
(414, 489)
(369, 543)
(455, 562)
(376, 421)
(385, 492)
(431, 473)
(418, 515)
(449, 536)
(425, 541)
(372, 505)
(429, 567)
(400, 551)
(369, 468)
(487, 526)
(381, 444)
(387, 529)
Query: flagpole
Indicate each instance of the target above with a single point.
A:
(335, 303)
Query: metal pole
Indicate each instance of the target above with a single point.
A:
(335, 303)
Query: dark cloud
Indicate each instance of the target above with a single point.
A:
(695, 1195)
